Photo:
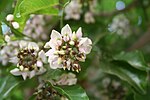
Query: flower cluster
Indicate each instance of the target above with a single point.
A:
(120, 25)
(29, 60)
(36, 27)
(10, 18)
(67, 79)
(67, 49)
(73, 10)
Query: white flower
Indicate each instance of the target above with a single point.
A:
(36, 27)
(8, 51)
(73, 10)
(67, 49)
(85, 45)
(120, 25)
(88, 18)
(10, 17)
(67, 79)
(7, 38)
(15, 25)
(29, 60)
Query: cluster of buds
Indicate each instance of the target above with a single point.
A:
(67, 49)
(46, 92)
(10, 18)
(29, 60)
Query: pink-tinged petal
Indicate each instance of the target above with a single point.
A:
(33, 45)
(24, 75)
(42, 55)
(55, 35)
(52, 43)
(88, 49)
(85, 49)
(47, 45)
(79, 33)
(15, 72)
(50, 52)
(32, 74)
(66, 30)
(39, 63)
(85, 41)
(54, 64)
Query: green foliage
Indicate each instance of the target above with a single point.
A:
(135, 59)
(7, 84)
(26, 7)
(135, 78)
(74, 92)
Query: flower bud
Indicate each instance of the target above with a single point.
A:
(21, 68)
(7, 38)
(71, 43)
(15, 25)
(10, 17)
(74, 37)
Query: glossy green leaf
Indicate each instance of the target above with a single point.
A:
(26, 7)
(135, 59)
(7, 84)
(74, 92)
(30, 6)
(135, 78)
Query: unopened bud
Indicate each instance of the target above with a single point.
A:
(15, 25)
(7, 38)
(71, 43)
(26, 69)
(21, 68)
(59, 61)
(74, 37)
(10, 17)
(62, 52)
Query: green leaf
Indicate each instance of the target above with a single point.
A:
(143, 97)
(30, 6)
(74, 92)
(52, 74)
(7, 84)
(26, 7)
(134, 77)
(135, 59)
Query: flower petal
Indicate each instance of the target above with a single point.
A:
(24, 75)
(66, 30)
(79, 33)
(55, 35)
(15, 72)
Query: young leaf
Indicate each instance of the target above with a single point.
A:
(135, 78)
(135, 59)
(26, 7)
(74, 92)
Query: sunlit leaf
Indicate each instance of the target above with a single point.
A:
(135, 59)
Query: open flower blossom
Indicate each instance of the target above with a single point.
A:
(67, 49)
(89, 18)
(29, 60)
(67, 79)
(73, 10)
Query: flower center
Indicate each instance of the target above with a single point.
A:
(71, 53)
(27, 59)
